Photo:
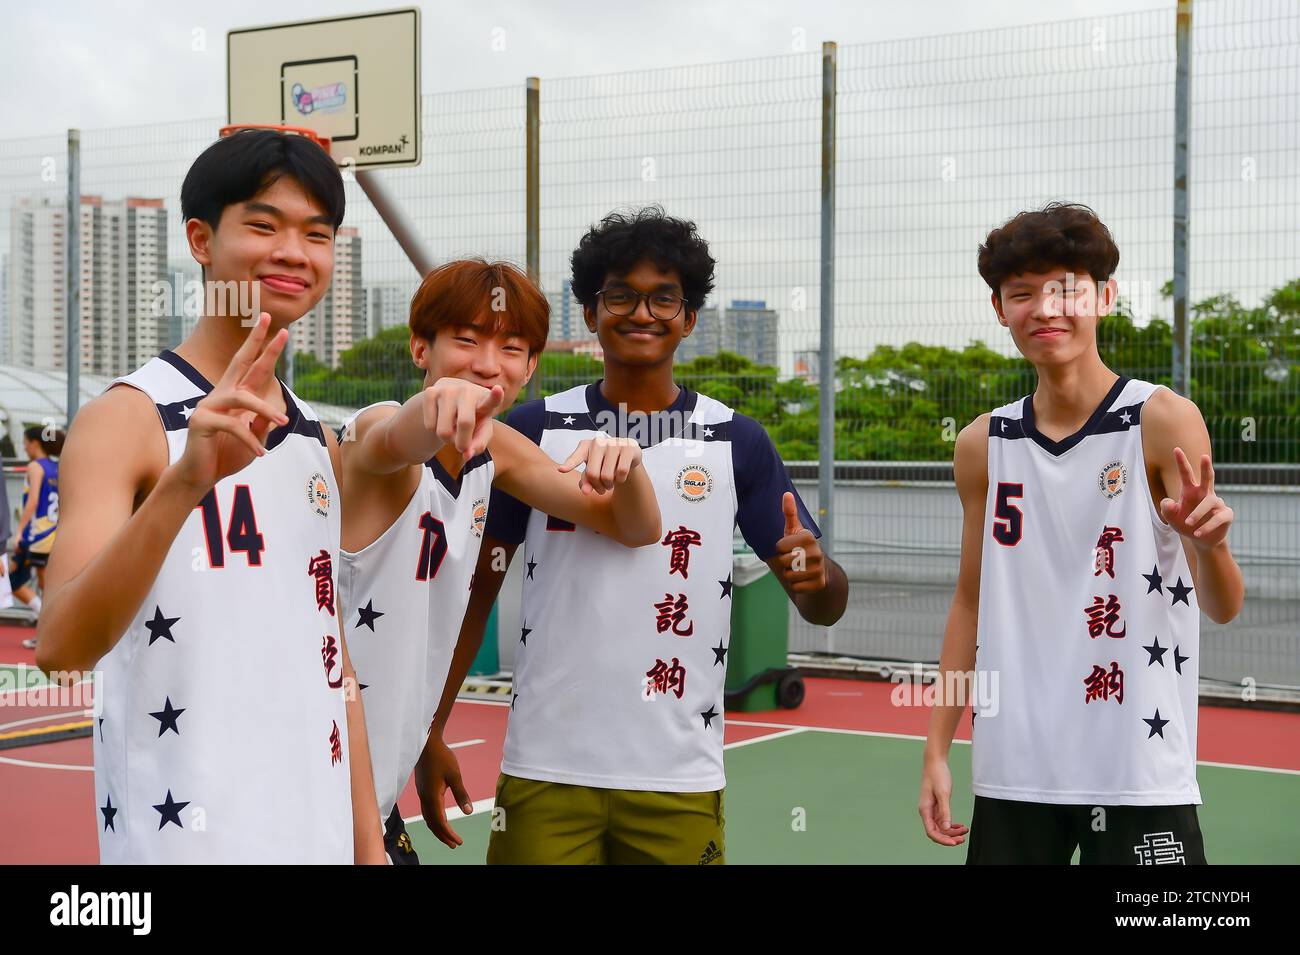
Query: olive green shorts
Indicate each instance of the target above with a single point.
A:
(541, 823)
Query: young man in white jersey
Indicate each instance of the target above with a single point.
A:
(614, 747)
(194, 567)
(1090, 545)
(416, 482)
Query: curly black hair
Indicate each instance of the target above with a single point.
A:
(621, 240)
(1059, 234)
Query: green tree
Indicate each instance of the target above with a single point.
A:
(904, 403)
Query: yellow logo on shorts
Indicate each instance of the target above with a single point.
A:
(694, 482)
(1112, 480)
(318, 494)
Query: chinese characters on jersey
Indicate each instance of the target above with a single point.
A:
(1102, 684)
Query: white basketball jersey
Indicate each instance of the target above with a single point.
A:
(404, 597)
(1088, 623)
(621, 657)
(224, 735)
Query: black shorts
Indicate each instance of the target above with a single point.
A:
(20, 570)
(396, 842)
(1009, 832)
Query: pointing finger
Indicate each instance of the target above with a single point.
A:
(490, 401)
(577, 457)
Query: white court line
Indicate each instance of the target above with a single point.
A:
(486, 805)
(966, 742)
(792, 731)
(49, 716)
(41, 687)
(833, 729)
(1257, 769)
(910, 736)
(35, 765)
(454, 813)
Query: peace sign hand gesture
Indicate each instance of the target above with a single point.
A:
(228, 428)
(1199, 514)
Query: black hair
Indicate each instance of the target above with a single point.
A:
(51, 446)
(239, 166)
(621, 240)
(1059, 234)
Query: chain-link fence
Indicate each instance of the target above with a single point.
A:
(942, 138)
(939, 139)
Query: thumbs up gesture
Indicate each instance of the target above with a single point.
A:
(801, 563)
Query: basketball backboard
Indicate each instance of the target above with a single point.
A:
(354, 79)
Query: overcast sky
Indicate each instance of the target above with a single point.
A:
(93, 64)
(991, 108)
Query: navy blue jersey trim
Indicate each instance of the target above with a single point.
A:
(186, 369)
(1008, 428)
(453, 484)
(1091, 426)
(172, 417)
(1113, 421)
(676, 418)
(174, 420)
(298, 423)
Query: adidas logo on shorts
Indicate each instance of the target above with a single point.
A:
(711, 853)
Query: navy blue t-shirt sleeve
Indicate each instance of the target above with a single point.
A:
(761, 480)
(507, 519)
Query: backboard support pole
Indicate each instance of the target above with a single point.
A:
(398, 222)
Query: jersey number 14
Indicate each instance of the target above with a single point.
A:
(241, 534)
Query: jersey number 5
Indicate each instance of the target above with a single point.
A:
(433, 547)
(1007, 518)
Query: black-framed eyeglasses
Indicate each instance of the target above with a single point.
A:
(622, 302)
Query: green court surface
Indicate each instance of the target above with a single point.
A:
(858, 797)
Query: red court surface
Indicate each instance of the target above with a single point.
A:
(47, 814)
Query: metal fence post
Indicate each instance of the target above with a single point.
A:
(532, 204)
(1182, 337)
(72, 294)
(826, 345)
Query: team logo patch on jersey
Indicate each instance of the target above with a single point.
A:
(478, 517)
(694, 482)
(318, 494)
(1112, 480)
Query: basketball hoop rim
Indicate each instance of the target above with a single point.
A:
(322, 141)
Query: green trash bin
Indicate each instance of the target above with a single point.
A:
(760, 634)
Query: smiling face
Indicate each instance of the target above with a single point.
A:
(474, 354)
(280, 242)
(640, 338)
(1053, 315)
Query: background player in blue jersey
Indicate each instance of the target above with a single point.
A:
(34, 537)
(194, 566)
(1090, 544)
(614, 745)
